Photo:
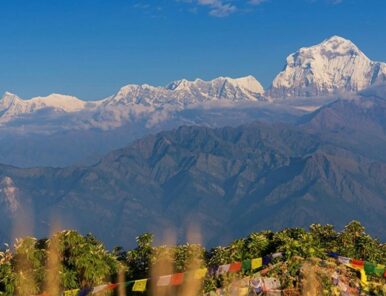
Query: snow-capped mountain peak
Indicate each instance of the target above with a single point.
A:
(8, 94)
(247, 83)
(334, 65)
(12, 106)
(184, 92)
(337, 44)
(9, 97)
(9, 100)
(182, 84)
(221, 88)
(59, 102)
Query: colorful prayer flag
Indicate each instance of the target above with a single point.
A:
(267, 259)
(139, 285)
(369, 267)
(235, 267)
(200, 273)
(177, 279)
(357, 263)
(276, 255)
(343, 260)
(73, 292)
(223, 269)
(379, 269)
(112, 286)
(84, 292)
(247, 264)
(100, 288)
(333, 254)
(256, 263)
(363, 278)
(164, 280)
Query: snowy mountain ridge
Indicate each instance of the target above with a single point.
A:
(132, 98)
(336, 65)
(184, 92)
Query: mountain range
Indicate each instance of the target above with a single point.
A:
(327, 167)
(60, 130)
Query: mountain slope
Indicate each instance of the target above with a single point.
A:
(357, 124)
(335, 65)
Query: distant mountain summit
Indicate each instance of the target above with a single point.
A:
(244, 88)
(184, 92)
(335, 65)
(11, 106)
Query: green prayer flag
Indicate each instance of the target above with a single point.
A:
(369, 267)
(246, 264)
(379, 269)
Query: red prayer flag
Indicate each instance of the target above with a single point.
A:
(177, 279)
(358, 263)
(112, 286)
(235, 267)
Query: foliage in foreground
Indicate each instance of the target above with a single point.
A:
(84, 262)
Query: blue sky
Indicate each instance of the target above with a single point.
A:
(90, 48)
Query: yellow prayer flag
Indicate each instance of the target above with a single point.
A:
(362, 272)
(139, 285)
(256, 263)
(363, 278)
(200, 273)
(243, 291)
(71, 292)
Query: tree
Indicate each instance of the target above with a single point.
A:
(257, 245)
(188, 256)
(7, 277)
(139, 260)
(85, 261)
(29, 266)
(348, 241)
(324, 235)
